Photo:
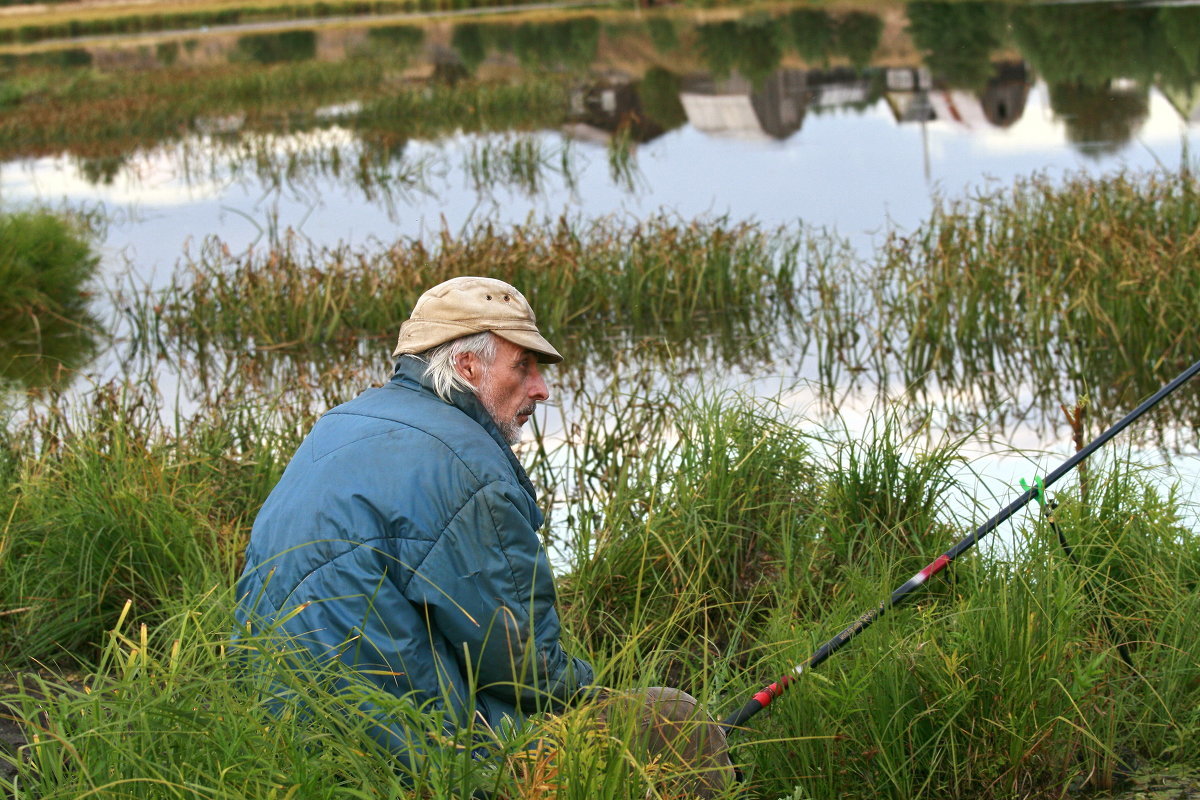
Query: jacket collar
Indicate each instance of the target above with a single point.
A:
(410, 369)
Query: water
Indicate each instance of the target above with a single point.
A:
(853, 171)
(783, 118)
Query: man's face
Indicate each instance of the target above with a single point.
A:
(511, 387)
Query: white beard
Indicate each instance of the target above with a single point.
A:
(510, 429)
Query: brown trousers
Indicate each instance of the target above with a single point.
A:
(686, 746)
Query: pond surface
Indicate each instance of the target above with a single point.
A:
(854, 121)
(850, 147)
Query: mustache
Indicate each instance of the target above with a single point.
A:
(526, 411)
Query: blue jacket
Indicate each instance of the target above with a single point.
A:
(410, 528)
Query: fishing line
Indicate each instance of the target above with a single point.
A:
(767, 694)
(1048, 507)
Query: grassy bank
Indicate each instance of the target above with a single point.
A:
(742, 542)
(114, 20)
(708, 540)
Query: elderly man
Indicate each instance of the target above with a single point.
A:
(402, 538)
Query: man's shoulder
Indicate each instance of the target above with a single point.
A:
(397, 409)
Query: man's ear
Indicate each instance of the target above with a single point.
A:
(469, 366)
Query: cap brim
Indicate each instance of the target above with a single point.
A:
(532, 341)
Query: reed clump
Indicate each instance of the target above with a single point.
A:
(588, 282)
(681, 516)
(47, 263)
(1091, 279)
(883, 497)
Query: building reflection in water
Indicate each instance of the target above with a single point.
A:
(775, 108)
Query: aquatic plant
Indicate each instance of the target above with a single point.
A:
(520, 162)
(1022, 285)
(958, 39)
(46, 263)
(588, 283)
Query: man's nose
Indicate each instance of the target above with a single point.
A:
(538, 391)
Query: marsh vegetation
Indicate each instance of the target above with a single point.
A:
(708, 539)
(760, 430)
(47, 264)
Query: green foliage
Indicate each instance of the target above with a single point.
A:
(1089, 44)
(45, 260)
(112, 508)
(698, 525)
(813, 34)
(694, 561)
(663, 34)
(1020, 283)
(858, 36)
(882, 500)
(569, 44)
(958, 39)
(1179, 29)
(1137, 547)
(469, 42)
(229, 15)
(588, 282)
(273, 48)
(398, 43)
(713, 542)
(46, 263)
(752, 45)
(659, 92)
(1100, 120)
(1014, 676)
(176, 709)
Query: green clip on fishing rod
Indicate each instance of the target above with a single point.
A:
(1048, 507)
(766, 695)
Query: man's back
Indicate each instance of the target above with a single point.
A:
(409, 528)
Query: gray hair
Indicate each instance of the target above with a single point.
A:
(440, 369)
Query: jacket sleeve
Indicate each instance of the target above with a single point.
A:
(488, 588)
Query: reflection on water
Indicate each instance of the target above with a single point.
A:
(1099, 63)
(391, 130)
(46, 353)
(49, 328)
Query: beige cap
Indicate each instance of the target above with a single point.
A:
(467, 305)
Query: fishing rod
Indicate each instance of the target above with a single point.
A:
(766, 695)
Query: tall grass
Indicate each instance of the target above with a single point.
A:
(1010, 674)
(587, 282)
(47, 263)
(110, 504)
(682, 509)
(712, 541)
(697, 535)
(1090, 283)
(166, 712)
